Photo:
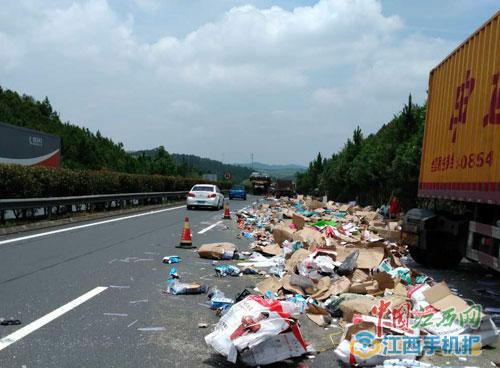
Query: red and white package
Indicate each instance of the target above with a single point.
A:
(247, 324)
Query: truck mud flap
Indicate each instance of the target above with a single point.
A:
(484, 244)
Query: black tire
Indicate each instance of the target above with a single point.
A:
(418, 256)
(245, 198)
(442, 252)
(189, 208)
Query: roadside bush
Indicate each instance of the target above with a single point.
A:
(32, 182)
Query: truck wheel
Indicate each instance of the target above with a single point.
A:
(418, 256)
(442, 252)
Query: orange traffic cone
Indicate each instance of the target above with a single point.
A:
(227, 212)
(186, 241)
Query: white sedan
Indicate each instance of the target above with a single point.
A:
(205, 195)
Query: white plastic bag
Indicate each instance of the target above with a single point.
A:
(246, 325)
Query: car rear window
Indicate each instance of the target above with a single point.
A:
(202, 188)
(238, 187)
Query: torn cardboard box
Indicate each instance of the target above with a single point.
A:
(311, 238)
(271, 284)
(217, 251)
(368, 258)
(281, 233)
(297, 257)
(299, 221)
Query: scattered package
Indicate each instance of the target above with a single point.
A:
(336, 265)
(253, 328)
(171, 259)
(217, 251)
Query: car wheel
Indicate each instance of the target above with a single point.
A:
(245, 198)
(189, 207)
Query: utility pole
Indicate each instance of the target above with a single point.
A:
(251, 155)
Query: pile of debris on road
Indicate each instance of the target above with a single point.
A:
(338, 265)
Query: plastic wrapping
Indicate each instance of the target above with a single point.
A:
(218, 299)
(176, 287)
(347, 267)
(227, 270)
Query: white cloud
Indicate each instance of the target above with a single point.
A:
(328, 96)
(331, 66)
(184, 107)
(148, 5)
(9, 52)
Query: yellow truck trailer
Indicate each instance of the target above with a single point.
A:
(461, 156)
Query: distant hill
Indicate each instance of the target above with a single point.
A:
(204, 165)
(277, 171)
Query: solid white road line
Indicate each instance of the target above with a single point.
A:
(209, 227)
(87, 225)
(35, 325)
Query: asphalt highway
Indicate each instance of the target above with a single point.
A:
(90, 294)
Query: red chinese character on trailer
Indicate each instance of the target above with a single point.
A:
(462, 95)
(493, 115)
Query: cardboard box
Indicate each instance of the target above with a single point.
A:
(365, 305)
(271, 283)
(314, 204)
(298, 256)
(441, 298)
(272, 249)
(299, 221)
(281, 233)
(276, 349)
(311, 238)
(217, 250)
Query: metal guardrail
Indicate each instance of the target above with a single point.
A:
(28, 203)
(89, 201)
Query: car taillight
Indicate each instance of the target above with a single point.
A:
(191, 195)
(213, 195)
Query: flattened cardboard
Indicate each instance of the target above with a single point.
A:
(359, 276)
(272, 249)
(345, 207)
(366, 287)
(271, 283)
(353, 306)
(400, 289)
(339, 286)
(367, 216)
(441, 298)
(275, 349)
(318, 315)
(364, 305)
(369, 258)
(385, 281)
(289, 287)
(393, 225)
(298, 256)
(322, 288)
(314, 204)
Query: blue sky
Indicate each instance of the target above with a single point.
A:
(222, 79)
